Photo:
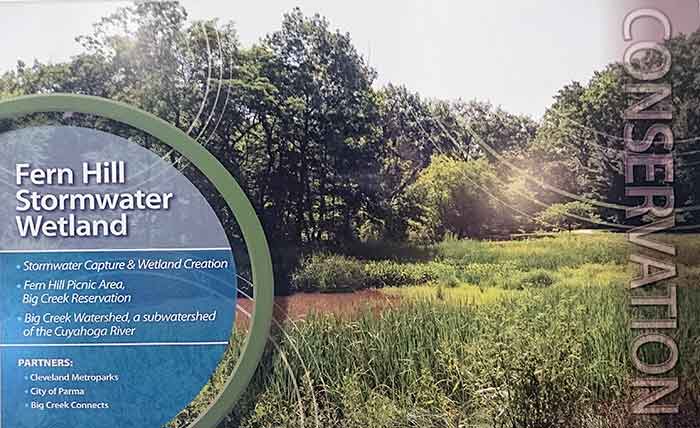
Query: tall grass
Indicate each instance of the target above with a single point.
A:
(522, 359)
(551, 253)
(509, 265)
(474, 348)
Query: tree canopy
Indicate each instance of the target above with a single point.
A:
(328, 157)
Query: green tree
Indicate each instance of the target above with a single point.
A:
(576, 149)
(568, 216)
(456, 199)
(313, 163)
(506, 133)
(407, 136)
(579, 146)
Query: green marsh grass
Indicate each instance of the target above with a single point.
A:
(530, 334)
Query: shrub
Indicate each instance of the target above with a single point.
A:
(568, 216)
(393, 274)
(449, 281)
(538, 278)
(467, 251)
(548, 253)
(491, 274)
(329, 272)
(389, 250)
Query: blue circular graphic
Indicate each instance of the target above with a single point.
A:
(118, 281)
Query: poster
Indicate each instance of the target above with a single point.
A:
(349, 214)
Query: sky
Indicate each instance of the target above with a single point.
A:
(513, 53)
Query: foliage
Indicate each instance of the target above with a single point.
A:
(475, 357)
(329, 159)
(329, 272)
(455, 198)
(538, 278)
(310, 152)
(325, 157)
(551, 252)
(524, 359)
(512, 266)
(573, 149)
(392, 274)
(569, 216)
(325, 271)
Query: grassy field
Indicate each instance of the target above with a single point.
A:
(530, 334)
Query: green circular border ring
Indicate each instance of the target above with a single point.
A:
(229, 189)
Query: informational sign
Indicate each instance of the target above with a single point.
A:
(118, 283)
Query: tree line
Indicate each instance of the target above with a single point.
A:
(327, 157)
